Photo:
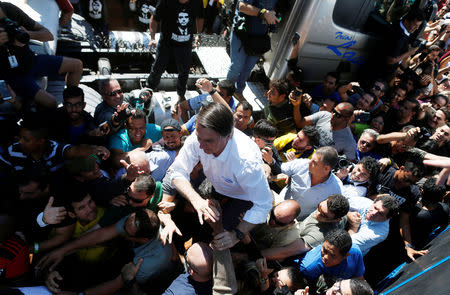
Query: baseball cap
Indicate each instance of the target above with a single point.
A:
(170, 125)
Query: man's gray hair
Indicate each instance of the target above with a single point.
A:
(371, 132)
(104, 82)
(328, 155)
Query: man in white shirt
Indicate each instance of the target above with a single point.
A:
(311, 180)
(369, 226)
(233, 163)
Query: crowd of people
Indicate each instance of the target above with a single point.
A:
(323, 192)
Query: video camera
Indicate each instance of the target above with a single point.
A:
(14, 31)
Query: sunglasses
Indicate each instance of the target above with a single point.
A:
(376, 87)
(277, 222)
(366, 143)
(115, 92)
(130, 198)
(338, 115)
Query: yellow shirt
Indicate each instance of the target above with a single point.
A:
(98, 252)
(283, 144)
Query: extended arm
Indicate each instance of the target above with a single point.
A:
(279, 253)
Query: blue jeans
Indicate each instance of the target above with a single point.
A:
(241, 64)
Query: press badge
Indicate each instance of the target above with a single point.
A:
(13, 61)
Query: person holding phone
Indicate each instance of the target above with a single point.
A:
(19, 66)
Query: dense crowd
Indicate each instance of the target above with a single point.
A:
(323, 192)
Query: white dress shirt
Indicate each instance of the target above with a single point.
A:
(300, 188)
(237, 172)
(370, 233)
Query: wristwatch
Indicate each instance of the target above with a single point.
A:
(262, 12)
(240, 235)
(212, 91)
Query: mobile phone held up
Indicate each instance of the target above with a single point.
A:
(4, 91)
(295, 38)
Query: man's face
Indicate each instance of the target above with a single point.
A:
(398, 95)
(438, 102)
(377, 212)
(92, 175)
(225, 95)
(331, 255)
(366, 143)
(262, 142)
(378, 89)
(85, 210)
(183, 18)
(364, 102)
(210, 141)
(406, 109)
(442, 134)
(339, 117)
(136, 130)
(433, 55)
(30, 191)
(316, 166)
(136, 198)
(172, 139)
(274, 96)
(341, 287)
(281, 278)
(329, 84)
(241, 118)
(440, 118)
(112, 94)
(28, 143)
(301, 143)
(412, 26)
(359, 173)
(404, 178)
(377, 124)
(74, 106)
(323, 214)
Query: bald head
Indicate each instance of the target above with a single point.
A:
(346, 108)
(287, 211)
(139, 158)
(200, 261)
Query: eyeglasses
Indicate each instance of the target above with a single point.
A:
(377, 87)
(115, 92)
(130, 198)
(277, 222)
(73, 105)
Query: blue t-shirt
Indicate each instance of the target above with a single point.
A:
(156, 255)
(121, 140)
(185, 285)
(353, 266)
(317, 93)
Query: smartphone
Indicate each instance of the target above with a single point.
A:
(364, 117)
(295, 38)
(298, 92)
(4, 91)
(104, 127)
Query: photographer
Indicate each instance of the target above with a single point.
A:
(19, 66)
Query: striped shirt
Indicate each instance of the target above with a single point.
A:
(53, 159)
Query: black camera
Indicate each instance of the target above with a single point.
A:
(14, 31)
(423, 134)
(343, 162)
